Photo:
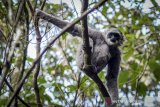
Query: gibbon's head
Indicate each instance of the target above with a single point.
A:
(113, 37)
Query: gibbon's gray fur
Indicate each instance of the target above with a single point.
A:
(104, 52)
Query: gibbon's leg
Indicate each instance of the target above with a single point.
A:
(80, 55)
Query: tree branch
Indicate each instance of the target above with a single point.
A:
(38, 50)
(10, 87)
(36, 72)
(9, 53)
(43, 15)
(19, 98)
(88, 67)
(85, 37)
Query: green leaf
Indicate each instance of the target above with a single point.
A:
(50, 69)
(123, 78)
(128, 54)
(155, 68)
(47, 97)
(72, 88)
(64, 36)
(141, 89)
(134, 66)
(133, 83)
(41, 80)
(30, 59)
(130, 37)
(104, 10)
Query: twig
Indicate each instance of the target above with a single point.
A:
(49, 17)
(19, 98)
(10, 55)
(74, 7)
(26, 47)
(142, 74)
(38, 50)
(36, 73)
(43, 4)
(66, 58)
(78, 86)
(30, 7)
(10, 87)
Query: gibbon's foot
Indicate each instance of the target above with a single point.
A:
(108, 101)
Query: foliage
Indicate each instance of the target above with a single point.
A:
(59, 81)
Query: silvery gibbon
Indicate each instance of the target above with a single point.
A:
(104, 52)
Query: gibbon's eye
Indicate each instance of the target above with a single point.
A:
(110, 35)
(114, 35)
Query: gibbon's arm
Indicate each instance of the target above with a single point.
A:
(112, 77)
(75, 30)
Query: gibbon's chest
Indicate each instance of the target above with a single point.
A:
(101, 54)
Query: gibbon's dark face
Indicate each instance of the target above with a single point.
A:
(114, 37)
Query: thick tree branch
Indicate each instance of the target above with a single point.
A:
(85, 37)
(38, 50)
(30, 7)
(42, 15)
(88, 68)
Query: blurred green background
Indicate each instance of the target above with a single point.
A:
(60, 82)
